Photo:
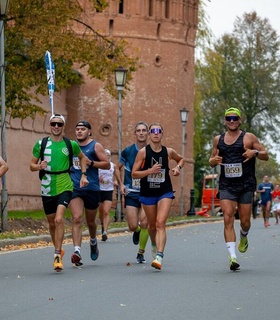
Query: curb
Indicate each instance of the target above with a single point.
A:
(47, 238)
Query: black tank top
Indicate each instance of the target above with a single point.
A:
(156, 185)
(236, 175)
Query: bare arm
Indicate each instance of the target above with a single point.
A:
(83, 163)
(215, 159)
(178, 158)
(36, 165)
(3, 167)
(251, 145)
(103, 162)
(117, 175)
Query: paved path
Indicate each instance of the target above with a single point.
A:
(195, 282)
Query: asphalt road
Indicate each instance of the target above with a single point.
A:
(195, 281)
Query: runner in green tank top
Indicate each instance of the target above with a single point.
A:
(56, 184)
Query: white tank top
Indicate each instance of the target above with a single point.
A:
(106, 178)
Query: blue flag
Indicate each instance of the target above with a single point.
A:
(50, 77)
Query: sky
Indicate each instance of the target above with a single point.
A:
(222, 13)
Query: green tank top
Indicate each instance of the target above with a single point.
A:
(57, 156)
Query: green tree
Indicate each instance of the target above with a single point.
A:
(242, 70)
(64, 28)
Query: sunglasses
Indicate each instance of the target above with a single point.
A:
(156, 131)
(232, 118)
(59, 124)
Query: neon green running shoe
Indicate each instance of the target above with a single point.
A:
(233, 264)
(243, 244)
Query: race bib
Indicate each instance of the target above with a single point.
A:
(136, 184)
(76, 163)
(157, 177)
(233, 170)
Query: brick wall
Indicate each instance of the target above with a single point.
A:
(164, 38)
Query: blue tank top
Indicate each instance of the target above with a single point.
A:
(127, 158)
(236, 175)
(92, 172)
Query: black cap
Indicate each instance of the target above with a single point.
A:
(83, 124)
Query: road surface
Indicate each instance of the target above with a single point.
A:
(195, 282)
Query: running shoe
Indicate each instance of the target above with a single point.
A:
(140, 258)
(136, 237)
(104, 236)
(76, 259)
(57, 263)
(266, 224)
(94, 252)
(243, 244)
(154, 250)
(157, 263)
(233, 264)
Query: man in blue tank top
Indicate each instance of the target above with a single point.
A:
(265, 189)
(88, 197)
(236, 152)
(130, 188)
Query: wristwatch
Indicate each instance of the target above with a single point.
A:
(85, 173)
(92, 163)
(179, 167)
(256, 153)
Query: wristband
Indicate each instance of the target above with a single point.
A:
(92, 163)
(85, 173)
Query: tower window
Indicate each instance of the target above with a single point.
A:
(151, 8)
(121, 5)
(167, 9)
(111, 26)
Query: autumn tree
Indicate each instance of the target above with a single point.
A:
(64, 28)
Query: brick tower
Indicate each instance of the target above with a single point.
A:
(164, 33)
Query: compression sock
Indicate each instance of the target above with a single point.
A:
(144, 236)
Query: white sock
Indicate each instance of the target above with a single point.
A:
(231, 249)
(77, 248)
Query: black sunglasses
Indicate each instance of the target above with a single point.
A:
(232, 118)
(59, 124)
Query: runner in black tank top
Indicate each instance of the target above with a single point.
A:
(156, 193)
(236, 152)
(162, 182)
(232, 155)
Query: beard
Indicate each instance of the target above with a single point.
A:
(82, 139)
